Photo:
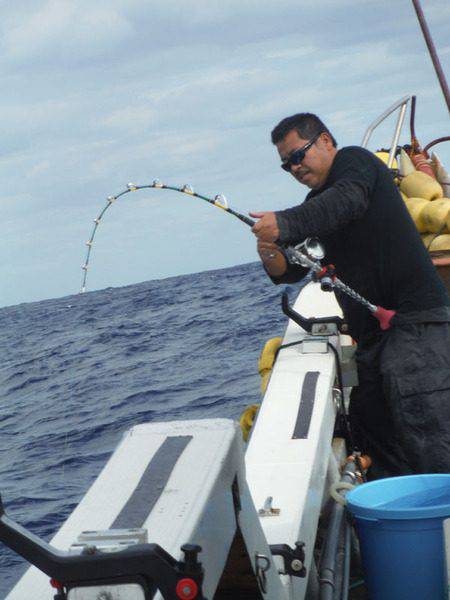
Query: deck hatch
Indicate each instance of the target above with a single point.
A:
(152, 483)
(305, 409)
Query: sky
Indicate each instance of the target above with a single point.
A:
(95, 95)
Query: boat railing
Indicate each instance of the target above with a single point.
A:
(400, 104)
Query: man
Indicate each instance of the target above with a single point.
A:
(400, 412)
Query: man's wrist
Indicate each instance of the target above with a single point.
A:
(274, 261)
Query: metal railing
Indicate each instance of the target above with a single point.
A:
(401, 104)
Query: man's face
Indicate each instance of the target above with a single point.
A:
(314, 168)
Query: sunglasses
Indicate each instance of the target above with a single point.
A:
(298, 156)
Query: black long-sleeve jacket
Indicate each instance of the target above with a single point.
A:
(369, 236)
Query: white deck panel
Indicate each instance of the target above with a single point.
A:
(293, 471)
(200, 478)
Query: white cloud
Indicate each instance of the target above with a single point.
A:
(437, 11)
(28, 114)
(60, 28)
(96, 94)
(39, 168)
(130, 119)
(291, 53)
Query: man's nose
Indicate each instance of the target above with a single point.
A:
(295, 168)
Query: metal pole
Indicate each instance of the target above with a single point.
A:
(402, 102)
(396, 137)
(432, 51)
(329, 564)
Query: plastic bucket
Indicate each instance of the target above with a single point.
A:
(400, 527)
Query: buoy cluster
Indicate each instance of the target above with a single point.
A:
(424, 186)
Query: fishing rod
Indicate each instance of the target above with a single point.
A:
(301, 255)
(297, 255)
(219, 200)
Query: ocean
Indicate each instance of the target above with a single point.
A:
(78, 371)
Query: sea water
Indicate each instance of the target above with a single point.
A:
(76, 372)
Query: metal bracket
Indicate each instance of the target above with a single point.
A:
(109, 540)
(262, 565)
(294, 558)
(267, 510)
(146, 565)
(314, 345)
(308, 323)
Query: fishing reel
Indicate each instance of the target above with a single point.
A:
(309, 250)
(309, 254)
(312, 248)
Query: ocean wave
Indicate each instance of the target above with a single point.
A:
(74, 379)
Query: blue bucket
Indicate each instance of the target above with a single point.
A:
(400, 527)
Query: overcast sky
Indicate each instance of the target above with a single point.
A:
(96, 94)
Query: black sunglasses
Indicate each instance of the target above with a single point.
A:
(298, 156)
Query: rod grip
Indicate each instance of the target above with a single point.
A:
(384, 316)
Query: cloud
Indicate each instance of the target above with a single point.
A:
(436, 12)
(131, 119)
(63, 30)
(96, 94)
(291, 53)
(38, 169)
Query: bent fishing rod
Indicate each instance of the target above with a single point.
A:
(220, 201)
(295, 255)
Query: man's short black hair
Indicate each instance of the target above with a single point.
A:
(306, 125)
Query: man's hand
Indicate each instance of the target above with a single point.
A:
(267, 250)
(274, 260)
(266, 229)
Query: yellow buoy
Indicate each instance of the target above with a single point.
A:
(246, 420)
(384, 156)
(415, 208)
(404, 196)
(421, 185)
(265, 364)
(267, 359)
(436, 243)
(435, 214)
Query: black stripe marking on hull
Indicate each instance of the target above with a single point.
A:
(305, 409)
(152, 483)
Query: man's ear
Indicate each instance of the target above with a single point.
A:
(326, 139)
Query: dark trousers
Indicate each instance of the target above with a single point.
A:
(400, 412)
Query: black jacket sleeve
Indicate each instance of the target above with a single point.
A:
(292, 274)
(345, 197)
